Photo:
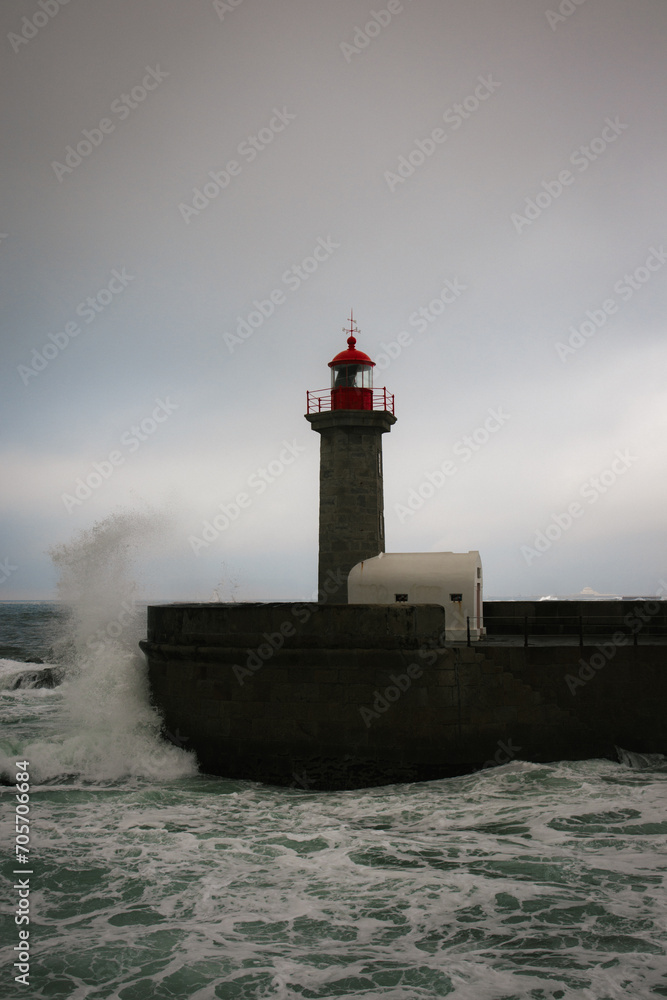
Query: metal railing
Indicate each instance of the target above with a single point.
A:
(319, 400)
(577, 627)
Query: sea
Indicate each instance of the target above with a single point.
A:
(141, 877)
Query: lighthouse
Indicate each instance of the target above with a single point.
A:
(350, 417)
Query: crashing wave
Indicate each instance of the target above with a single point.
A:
(640, 761)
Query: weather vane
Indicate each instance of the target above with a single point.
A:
(353, 328)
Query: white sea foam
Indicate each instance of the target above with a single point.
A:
(10, 669)
(109, 727)
(220, 888)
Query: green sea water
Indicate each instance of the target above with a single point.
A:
(149, 879)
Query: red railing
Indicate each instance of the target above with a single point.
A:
(319, 400)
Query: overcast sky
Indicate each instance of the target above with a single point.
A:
(195, 194)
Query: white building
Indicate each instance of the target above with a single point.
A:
(452, 579)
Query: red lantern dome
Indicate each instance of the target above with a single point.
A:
(352, 376)
(351, 382)
(351, 356)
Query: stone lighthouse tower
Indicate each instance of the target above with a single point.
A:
(350, 418)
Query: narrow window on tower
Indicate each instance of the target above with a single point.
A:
(381, 526)
(379, 463)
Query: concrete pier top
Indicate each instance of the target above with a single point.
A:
(299, 625)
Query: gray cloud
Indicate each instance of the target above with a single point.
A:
(146, 105)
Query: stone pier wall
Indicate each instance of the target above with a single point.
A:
(329, 697)
(562, 617)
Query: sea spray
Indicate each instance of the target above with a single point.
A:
(113, 730)
(97, 582)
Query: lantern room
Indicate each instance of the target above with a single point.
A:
(351, 382)
(352, 376)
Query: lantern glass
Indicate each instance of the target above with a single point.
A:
(352, 376)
